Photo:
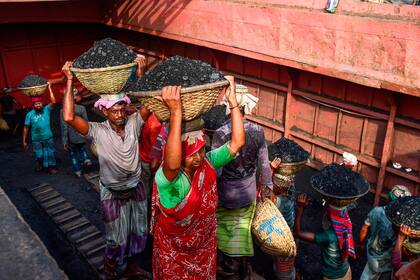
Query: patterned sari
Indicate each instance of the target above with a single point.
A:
(185, 236)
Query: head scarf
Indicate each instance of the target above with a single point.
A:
(245, 100)
(108, 100)
(35, 99)
(399, 191)
(192, 142)
(342, 225)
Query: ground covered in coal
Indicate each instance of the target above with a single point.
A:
(405, 211)
(31, 81)
(17, 174)
(177, 71)
(215, 117)
(287, 150)
(105, 53)
(339, 181)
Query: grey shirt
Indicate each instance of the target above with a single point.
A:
(68, 133)
(119, 159)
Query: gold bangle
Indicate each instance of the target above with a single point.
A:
(231, 108)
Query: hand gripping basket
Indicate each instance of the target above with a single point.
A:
(195, 100)
(107, 80)
(34, 91)
(271, 231)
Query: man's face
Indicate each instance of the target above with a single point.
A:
(38, 106)
(117, 114)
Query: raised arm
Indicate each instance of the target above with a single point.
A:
(302, 202)
(78, 123)
(171, 96)
(238, 133)
(52, 97)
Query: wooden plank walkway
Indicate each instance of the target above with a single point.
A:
(84, 236)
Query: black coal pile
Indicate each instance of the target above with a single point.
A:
(405, 211)
(287, 150)
(105, 53)
(215, 117)
(177, 71)
(338, 181)
(31, 81)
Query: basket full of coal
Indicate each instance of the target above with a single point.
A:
(293, 156)
(106, 67)
(33, 85)
(405, 211)
(201, 85)
(338, 185)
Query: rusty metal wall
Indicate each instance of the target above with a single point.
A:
(325, 115)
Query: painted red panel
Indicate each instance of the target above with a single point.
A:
(192, 51)
(47, 61)
(277, 135)
(266, 103)
(177, 49)
(252, 67)
(359, 94)
(41, 34)
(10, 38)
(303, 113)
(409, 106)
(370, 173)
(323, 155)
(72, 51)
(375, 138)
(234, 63)
(280, 107)
(407, 147)
(334, 87)
(269, 72)
(284, 77)
(309, 81)
(207, 56)
(381, 99)
(21, 58)
(326, 123)
(351, 131)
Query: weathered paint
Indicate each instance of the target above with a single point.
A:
(325, 115)
(371, 44)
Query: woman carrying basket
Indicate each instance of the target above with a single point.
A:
(185, 195)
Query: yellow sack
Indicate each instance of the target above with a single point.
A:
(271, 231)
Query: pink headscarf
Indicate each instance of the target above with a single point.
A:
(109, 100)
(36, 99)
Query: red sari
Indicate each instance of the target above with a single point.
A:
(184, 244)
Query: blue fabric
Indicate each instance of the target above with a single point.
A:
(77, 151)
(286, 206)
(44, 151)
(380, 241)
(39, 122)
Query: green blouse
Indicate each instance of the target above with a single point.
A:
(172, 193)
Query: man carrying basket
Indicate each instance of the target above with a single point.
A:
(123, 197)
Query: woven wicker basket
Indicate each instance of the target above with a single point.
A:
(34, 91)
(195, 100)
(291, 168)
(282, 183)
(271, 231)
(107, 80)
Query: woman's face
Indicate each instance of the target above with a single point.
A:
(195, 160)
